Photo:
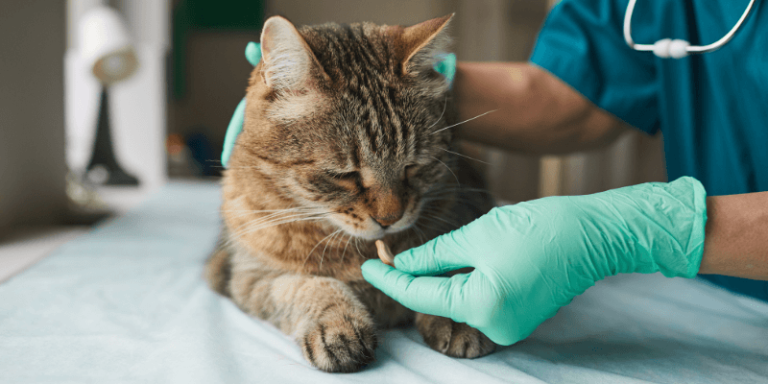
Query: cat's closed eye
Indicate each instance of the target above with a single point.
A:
(350, 181)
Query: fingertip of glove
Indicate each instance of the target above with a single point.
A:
(373, 268)
(502, 338)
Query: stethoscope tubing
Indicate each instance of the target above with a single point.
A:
(691, 49)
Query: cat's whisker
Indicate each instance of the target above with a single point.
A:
(277, 216)
(441, 195)
(250, 230)
(315, 247)
(357, 246)
(333, 238)
(436, 229)
(449, 169)
(465, 121)
(441, 219)
(423, 236)
(272, 212)
(455, 199)
(434, 200)
(439, 202)
(349, 238)
(464, 156)
(443, 186)
(439, 226)
(445, 106)
(245, 212)
(452, 189)
(268, 210)
(435, 210)
(427, 216)
(282, 220)
(274, 223)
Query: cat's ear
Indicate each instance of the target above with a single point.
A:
(289, 63)
(419, 45)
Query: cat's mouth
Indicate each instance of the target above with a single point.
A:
(371, 230)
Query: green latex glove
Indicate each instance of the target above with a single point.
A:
(532, 258)
(253, 55)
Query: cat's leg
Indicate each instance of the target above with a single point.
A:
(333, 328)
(386, 313)
(451, 338)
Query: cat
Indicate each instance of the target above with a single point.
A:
(346, 140)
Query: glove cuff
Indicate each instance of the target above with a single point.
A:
(692, 244)
(669, 233)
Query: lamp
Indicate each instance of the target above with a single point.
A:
(106, 47)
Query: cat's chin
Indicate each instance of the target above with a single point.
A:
(372, 235)
(377, 234)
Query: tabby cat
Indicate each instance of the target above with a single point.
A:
(346, 140)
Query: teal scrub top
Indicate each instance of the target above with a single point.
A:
(711, 108)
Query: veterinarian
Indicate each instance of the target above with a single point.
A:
(591, 78)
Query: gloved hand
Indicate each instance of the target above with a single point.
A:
(532, 258)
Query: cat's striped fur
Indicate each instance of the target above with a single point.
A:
(343, 143)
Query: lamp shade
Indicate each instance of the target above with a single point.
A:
(105, 45)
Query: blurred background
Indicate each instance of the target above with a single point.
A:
(91, 124)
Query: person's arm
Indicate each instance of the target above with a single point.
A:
(535, 111)
(737, 236)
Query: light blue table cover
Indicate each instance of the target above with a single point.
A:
(127, 304)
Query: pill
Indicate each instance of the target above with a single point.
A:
(385, 254)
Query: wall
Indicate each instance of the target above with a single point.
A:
(217, 74)
(32, 169)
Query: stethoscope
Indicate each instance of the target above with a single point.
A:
(677, 49)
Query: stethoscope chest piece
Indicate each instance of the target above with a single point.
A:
(668, 48)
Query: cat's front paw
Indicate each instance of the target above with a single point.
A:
(340, 342)
(453, 339)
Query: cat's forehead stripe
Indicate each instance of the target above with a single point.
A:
(377, 113)
(360, 59)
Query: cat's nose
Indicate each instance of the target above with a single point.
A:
(387, 207)
(387, 221)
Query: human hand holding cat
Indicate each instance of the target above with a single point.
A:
(532, 258)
